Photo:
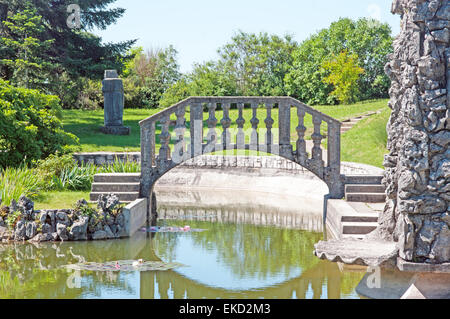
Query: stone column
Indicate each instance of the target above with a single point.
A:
(114, 103)
(418, 164)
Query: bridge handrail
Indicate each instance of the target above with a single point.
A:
(238, 99)
(328, 169)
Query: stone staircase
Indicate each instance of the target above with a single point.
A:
(364, 188)
(350, 220)
(348, 124)
(125, 186)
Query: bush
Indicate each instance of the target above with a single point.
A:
(30, 126)
(53, 166)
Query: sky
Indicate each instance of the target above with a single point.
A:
(198, 28)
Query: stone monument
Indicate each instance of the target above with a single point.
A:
(114, 103)
(416, 217)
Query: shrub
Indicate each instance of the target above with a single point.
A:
(53, 166)
(30, 126)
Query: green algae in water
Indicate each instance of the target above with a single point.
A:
(124, 266)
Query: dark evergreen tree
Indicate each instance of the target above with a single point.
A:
(76, 53)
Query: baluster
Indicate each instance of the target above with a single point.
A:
(317, 140)
(240, 138)
(196, 129)
(164, 139)
(180, 129)
(334, 159)
(284, 127)
(269, 124)
(212, 122)
(146, 150)
(254, 138)
(226, 123)
(302, 156)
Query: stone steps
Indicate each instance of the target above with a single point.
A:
(358, 228)
(115, 187)
(124, 185)
(364, 188)
(348, 124)
(365, 197)
(363, 179)
(117, 178)
(348, 221)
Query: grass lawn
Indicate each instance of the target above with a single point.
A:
(366, 141)
(86, 124)
(59, 200)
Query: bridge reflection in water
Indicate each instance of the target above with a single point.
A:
(244, 254)
(262, 252)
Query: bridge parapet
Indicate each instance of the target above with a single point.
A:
(193, 134)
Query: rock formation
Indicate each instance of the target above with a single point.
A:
(417, 174)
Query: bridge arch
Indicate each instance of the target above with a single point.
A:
(191, 140)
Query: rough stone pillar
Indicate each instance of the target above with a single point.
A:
(418, 165)
(114, 103)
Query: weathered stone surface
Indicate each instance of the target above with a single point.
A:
(42, 238)
(61, 230)
(31, 230)
(440, 251)
(108, 202)
(358, 252)
(20, 231)
(79, 229)
(62, 218)
(418, 164)
(25, 204)
(46, 228)
(109, 233)
(113, 104)
(100, 234)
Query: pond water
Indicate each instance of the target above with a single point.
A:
(227, 260)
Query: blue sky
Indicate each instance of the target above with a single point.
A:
(197, 28)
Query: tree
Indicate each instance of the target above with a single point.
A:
(371, 42)
(258, 63)
(74, 53)
(207, 79)
(149, 75)
(23, 51)
(344, 74)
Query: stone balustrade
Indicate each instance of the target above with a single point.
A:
(187, 133)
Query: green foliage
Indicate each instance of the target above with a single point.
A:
(53, 165)
(258, 63)
(85, 210)
(149, 75)
(62, 172)
(23, 51)
(13, 218)
(30, 126)
(15, 182)
(74, 179)
(251, 64)
(70, 54)
(370, 41)
(121, 167)
(91, 96)
(344, 74)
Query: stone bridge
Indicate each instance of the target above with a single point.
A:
(173, 123)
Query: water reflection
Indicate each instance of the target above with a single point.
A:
(229, 260)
